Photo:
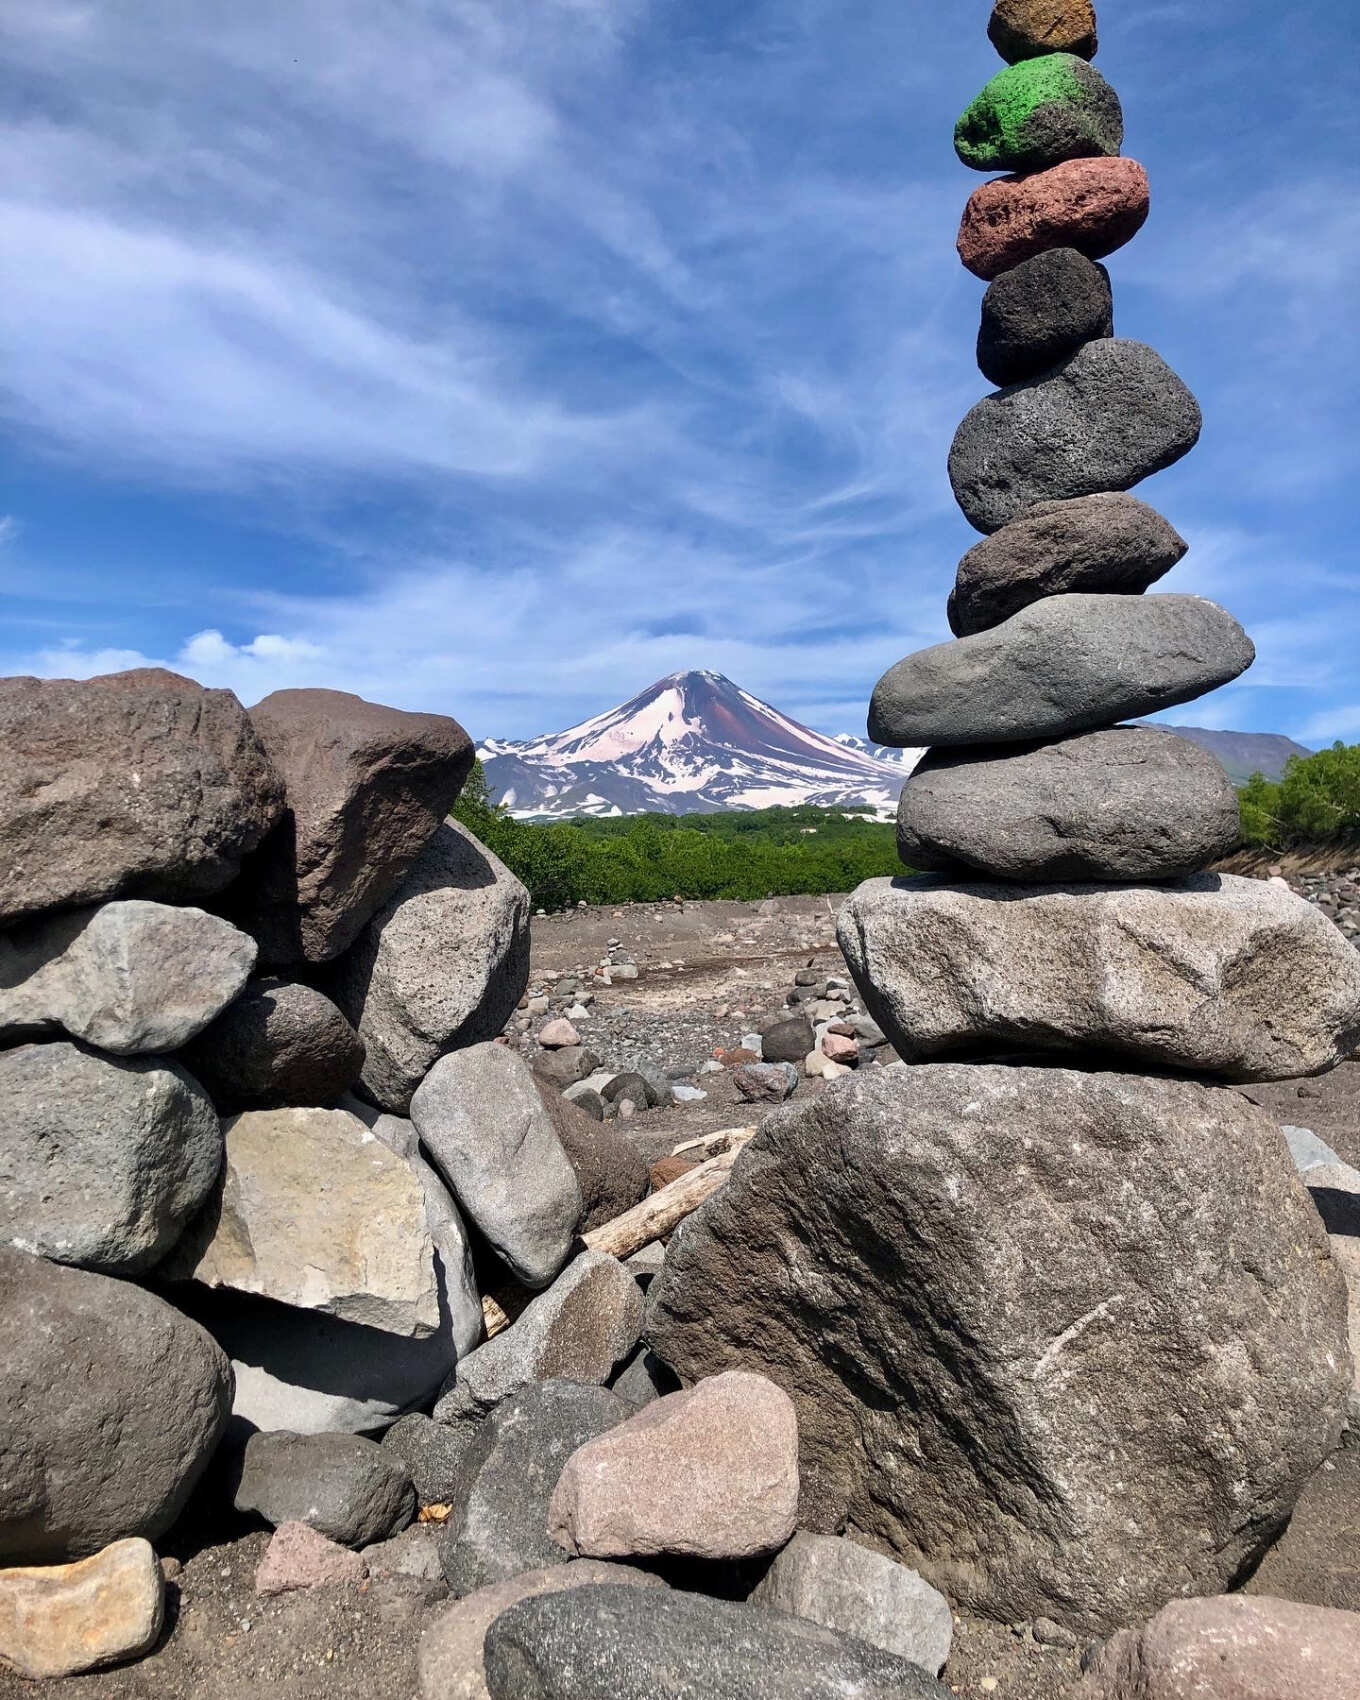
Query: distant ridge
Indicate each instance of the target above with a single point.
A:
(1243, 753)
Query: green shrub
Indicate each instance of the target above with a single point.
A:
(1315, 801)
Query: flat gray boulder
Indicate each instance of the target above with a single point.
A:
(1163, 1378)
(440, 966)
(111, 1404)
(1107, 418)
(1070, 663)
(1132, 803)
(345, 1487)
(104, 1160)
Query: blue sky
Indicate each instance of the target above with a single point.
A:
(498, 356)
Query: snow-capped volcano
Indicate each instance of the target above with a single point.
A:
(691, 743)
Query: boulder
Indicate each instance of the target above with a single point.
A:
(710, 1472)
(1092, 205)
(138, 784)
(1111, 415)
(1040, 312)
(281, 1043)
(366, 789)
(558, 1034)
(498, 1525)
(488, 1131)
(111, 1404)
(1066, 664)
(63, 1619)
(1162, 1377)
(441, 965)
(297, 1557)
(1111, 543)
(861, 1593)
(632, 1644)
(1133, 803)
(431, 1452)
(104, 1160)
(127, 977)
(609, 1171)
(1039, 113)
(1024, 29)
(788, 1040)
(345, 1487)
(765, 1083)
(1159, 973)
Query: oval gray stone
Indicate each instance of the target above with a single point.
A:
(1106, 419)
(1064, 664)
(1040, 312)
(1132, 803)
(282, 1043)
(1112, 544)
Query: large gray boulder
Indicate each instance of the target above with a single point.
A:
(281, 1043)
(1070, 663)
(127, 976)
(138, 784)
(345, 1487)
(104, 1160)
(1033, 1320)
(111, 1404)
(1110, 544)
(441, 965)
(1215, 973)
(367, 788)
(1128, 804)
(1110, 416)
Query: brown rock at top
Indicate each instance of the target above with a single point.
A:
(1092, 205)
(1027, 29)
(367, 787)
(139, 784)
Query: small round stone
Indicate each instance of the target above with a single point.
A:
(1038, 313)
(1026, 29)
(1038, 114)
(1093, 205)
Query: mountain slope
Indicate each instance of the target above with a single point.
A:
(1243, 753)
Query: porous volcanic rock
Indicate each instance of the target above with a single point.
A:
(104, 1160)
(1110, 544)
(347, 1488)
(281, 1043)
(61, 1619)
(1215, 973)
(1093, 205)
(1040, 312)
(1131, 803)
(1108, 417)
(366, 788)
(1166, 1376)
(1065, 664)
(1025, 29)
(441, 965)
(1040, 113)
(111, 1404)
(138, 784)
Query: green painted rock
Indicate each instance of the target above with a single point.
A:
(1039, 113)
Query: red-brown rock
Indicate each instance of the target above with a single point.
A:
(1092, 205)
(668, 1169)
(298, 1557)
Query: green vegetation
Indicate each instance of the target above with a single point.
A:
(1315, 802)
(649, 858)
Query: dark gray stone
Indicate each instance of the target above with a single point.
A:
(629, 1084)
(644, 1378)
(593, 1642)
(790, 1041)
(1065, 664)
(345, 1487)
(1110, 543)
(1128, 804)
(431, 1452)
(1040, 312)
(281, 1043)
(1107, 418)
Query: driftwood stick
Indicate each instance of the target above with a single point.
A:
(713, 1144)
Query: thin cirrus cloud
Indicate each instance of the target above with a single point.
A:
(497, 356)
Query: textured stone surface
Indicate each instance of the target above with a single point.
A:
(103, 1160)
(710, 1472)
(1109, 543)
(1024, 29)
(343, 1486)
(1128, 804)
(499, 1523)
(631, 1644)
(764, 1082)
(413, 1553)
(441, 965)
(788, 1041)
(1040, 312)
(111, 1403)
(1163, 1379)
(609, 1171)
(1039, 113)
(1065, 664)
(432, 1453)
(137, 784)
(298, 1557)
(1231, 1649)
(1215, 973)
(280, 1043)
(66, 1618)
(1093, 205)
(858, 1592)
(316, 1212)
(488, 1131)
(128, 976)
(366, 789)
(1108, 417)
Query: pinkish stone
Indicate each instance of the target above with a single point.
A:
(557, 1035)
(297, 1557)
(837, 1048)
(1093, 205)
